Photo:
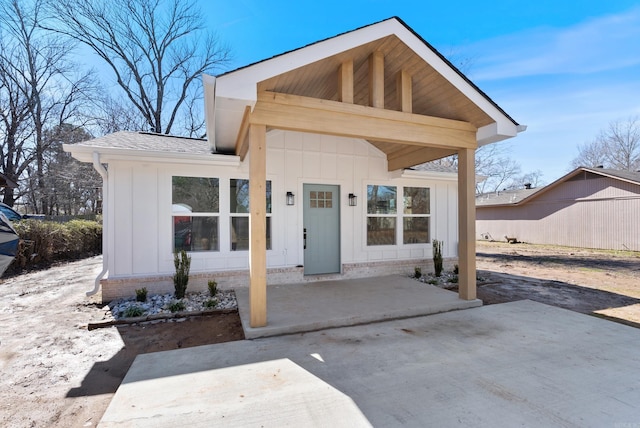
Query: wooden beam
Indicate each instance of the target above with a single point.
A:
(404, 92)
(467, 224)
(296, 113)
(345, 82)
(242, 143)
(257, 225)
(415, 155)
(376, 79)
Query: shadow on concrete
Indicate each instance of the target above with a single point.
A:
(106, 376)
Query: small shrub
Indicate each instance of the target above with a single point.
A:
(177, 306)
(213, 288)
(456, 269)
(141, 294)
(182, 262)
(437, 257)
(211, 303)
(454, 279)
(433, 282)
(133, 311)
(418, 273)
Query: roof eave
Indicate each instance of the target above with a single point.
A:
(84, 153)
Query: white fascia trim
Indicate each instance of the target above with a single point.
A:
(505, 125)
(85, 154)
(242, 84)
(498, 131)
(425, 175)
(209, 87)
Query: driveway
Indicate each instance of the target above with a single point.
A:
(513, 364)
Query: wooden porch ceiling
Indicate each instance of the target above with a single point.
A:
(432, 97)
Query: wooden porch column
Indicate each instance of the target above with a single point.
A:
(257, 225)
(467, 224)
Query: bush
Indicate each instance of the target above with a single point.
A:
(141, 294)
(437, 257)
(182, 262)
(177, 306)
(211, 303)
(417, 273)
(133, 311)
(45, 242)
(213, 288)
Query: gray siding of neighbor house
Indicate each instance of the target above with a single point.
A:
(588, 211)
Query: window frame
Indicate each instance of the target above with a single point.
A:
(232, 215)
(421, 215)
(200, 214)
(399, 216)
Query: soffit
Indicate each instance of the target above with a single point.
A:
(433, 94)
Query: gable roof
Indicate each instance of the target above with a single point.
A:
(522, 196)
(440, 89)
(129, 144)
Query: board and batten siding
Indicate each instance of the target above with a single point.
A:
(587, 211)
(140, 219)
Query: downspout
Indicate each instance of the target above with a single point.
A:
(105, 194)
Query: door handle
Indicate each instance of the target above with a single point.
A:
(304, 235)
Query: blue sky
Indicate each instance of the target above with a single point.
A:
(563, 68)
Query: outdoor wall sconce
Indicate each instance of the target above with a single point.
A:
(291, 198)
(353, 200)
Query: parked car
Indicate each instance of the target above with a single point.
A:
(13, 215)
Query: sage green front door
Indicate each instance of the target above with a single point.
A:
(321, 229)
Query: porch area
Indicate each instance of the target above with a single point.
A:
(304, 307)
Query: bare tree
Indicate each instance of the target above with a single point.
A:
(37, 90)
(156, 49)
(111, 115)
(616, 147)
(591, 154)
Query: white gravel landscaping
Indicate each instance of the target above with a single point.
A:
(161, 303)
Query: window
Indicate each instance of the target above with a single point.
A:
(416, 210)
(239, 209)
(381, 215)
(195, 212)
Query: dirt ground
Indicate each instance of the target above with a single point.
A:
(604, 283)
(57, 373)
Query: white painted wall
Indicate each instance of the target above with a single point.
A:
(139, 204)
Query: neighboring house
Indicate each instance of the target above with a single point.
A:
(587, 208)
(326, 135)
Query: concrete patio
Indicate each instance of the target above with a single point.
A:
(296, 308)
(513, 364)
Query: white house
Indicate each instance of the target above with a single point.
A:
(327, 136)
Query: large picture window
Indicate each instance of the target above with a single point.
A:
(195, 213)
(384, 215)
(381, 215)
(239, 209)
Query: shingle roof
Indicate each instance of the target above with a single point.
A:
(514, 197)
(505, 197)
(146, 141)
(625, 175)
